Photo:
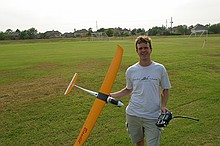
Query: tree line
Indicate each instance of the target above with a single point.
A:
(32, 33)
(182, 30)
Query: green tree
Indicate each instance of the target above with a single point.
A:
(101, 30)
(154, 31)
(181, 29)
(110, 32)
(89, 31)
(24, 35)
(3, 36)
(32, 33)
(8, 31)
(215, 28)
(141, 31)
(134, 31)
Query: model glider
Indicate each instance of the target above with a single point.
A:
(101, 99)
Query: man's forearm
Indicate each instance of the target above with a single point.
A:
(165, 95)
(121, 93)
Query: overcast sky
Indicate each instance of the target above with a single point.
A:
(67, 15)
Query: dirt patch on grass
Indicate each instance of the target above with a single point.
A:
(92, 65)
(28, 90)
(215, 69)
(31, 88)
(213, 54)
(46, 66)
(171, 72)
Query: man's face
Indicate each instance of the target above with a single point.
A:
(144, 51)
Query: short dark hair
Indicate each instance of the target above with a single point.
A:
(143, 39)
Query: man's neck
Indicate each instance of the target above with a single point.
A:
(145, 62)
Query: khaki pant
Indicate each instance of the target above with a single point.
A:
(137, 127)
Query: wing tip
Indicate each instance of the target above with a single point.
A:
(71, 84)
(120, 47)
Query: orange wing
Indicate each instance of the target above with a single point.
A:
(101, 99)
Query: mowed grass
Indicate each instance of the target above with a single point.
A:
(35, 74)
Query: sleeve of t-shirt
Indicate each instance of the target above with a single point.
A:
(129, 84)
(165, 82)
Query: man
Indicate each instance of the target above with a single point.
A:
(144, 81)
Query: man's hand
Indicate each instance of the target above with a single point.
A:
(164, 109)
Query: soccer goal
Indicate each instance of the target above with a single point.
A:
(99, 36)
(199, 30)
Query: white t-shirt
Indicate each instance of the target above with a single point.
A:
(146, 83)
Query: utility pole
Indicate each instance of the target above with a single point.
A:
(171, 23)
(166, 23)
(96, 25)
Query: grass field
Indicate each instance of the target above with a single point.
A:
(34, 75)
